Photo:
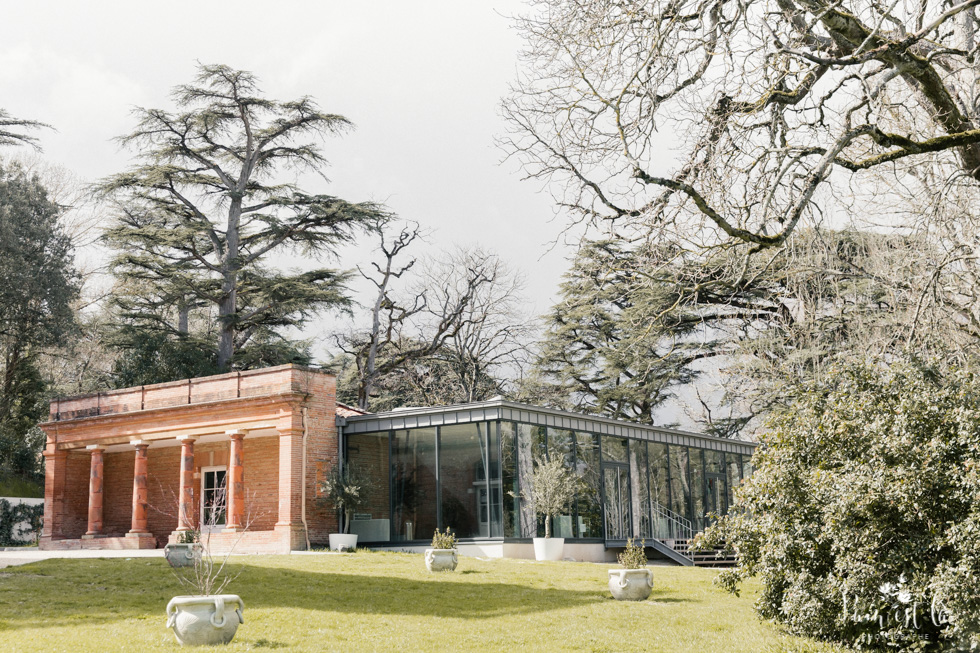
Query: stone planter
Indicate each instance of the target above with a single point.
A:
(182, 555)
(441, 559)
(343, 541)
(548, 548)
(205, 620)
(630, 584)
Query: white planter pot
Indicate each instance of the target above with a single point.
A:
(630, 584)
(548, 548)
(182, 555)
(343, 541)
(441, 559)
(205, 620)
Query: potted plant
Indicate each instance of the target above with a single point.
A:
(634, 581)
(185, 551)
(208, 616)
(346, 488)
(443, 555)
(553, 487)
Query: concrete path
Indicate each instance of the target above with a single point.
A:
(25, 555)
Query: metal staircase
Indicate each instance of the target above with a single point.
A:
(672, 537)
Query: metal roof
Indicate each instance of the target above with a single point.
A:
(502, 409)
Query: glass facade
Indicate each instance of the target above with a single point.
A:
(414, 490)
(680, 482)
(470, 478)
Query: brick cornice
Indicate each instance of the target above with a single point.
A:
(213, 417)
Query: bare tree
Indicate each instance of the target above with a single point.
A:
(444, 330)
(771, 109)
(492, 342)
(409, 328)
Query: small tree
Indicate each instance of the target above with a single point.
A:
(553, 487)
(347, 489)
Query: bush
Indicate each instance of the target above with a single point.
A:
(13, 515)
(862, 518)
(633, 556)
(445, 540)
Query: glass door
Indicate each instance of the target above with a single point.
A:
(616, 494)
(715, 499)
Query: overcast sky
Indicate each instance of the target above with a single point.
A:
(422, 82)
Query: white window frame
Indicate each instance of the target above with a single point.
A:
(216, 527)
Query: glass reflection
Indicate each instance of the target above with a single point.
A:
(413, 478)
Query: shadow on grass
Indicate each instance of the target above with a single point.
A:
(58, 593)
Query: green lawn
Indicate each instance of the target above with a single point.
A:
(384, 602)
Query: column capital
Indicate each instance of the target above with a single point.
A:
(186, 438)
(237, 433)
(95, 447)
(139, 443)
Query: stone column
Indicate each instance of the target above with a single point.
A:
(290, 524)
(55, 477)
(138, 526)
(185, 510)
(95, 485)
(236, 481)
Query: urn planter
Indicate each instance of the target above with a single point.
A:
(548, 548)
(343, 541)
(630, 584)
(441, 559)
(182, 555)
(205, 620)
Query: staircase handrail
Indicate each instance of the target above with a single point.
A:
(680, 528)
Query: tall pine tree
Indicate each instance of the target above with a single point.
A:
(209, 202)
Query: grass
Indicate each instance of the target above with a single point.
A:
(384, 601)
(15, 487)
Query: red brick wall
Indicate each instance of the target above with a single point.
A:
(321, 454)
(261, 458)
(263, 487)
(117, 497)
(76, 493)
(163, 484)
(253, 383)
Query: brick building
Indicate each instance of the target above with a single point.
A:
(130, 468)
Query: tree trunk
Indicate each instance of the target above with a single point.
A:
(228, 307)
(182, 317)
(226, 316)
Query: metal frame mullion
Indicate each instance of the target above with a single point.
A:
(439, 478)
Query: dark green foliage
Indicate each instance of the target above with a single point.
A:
(867, 488)
(11, 516)
(36, 294)
(154, 357)
(613, 346)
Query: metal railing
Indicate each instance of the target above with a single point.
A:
(668, 525)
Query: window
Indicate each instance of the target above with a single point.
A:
(213, 498)
(589, 518)
(464, 464)
(413, 479)
(680, 482)
(367, 453)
